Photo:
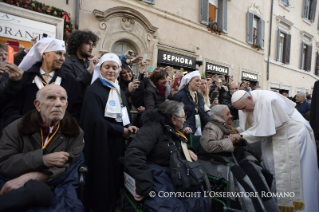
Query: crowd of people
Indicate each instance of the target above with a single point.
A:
(58, 101)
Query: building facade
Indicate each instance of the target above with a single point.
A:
(294, 45)
(215, 36)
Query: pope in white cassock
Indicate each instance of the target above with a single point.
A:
(287, 143)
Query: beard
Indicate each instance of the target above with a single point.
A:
(85, 54)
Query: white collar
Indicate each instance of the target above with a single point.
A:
(51, 74)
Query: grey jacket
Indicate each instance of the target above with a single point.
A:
(21, 146)
(213, 139)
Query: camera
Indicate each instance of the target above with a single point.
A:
(133, 54)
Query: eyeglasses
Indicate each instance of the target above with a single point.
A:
(181, 117)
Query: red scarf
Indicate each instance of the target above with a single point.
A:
(161, 90)
(46, 131)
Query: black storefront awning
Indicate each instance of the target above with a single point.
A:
(176, 60)
(249, 76)
(216, 69)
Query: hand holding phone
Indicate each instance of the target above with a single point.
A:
(144, 58)
(133, 54)
(214, 95)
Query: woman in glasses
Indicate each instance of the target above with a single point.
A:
(148, 159)
(157, 90)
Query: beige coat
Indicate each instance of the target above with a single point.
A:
(213, 139)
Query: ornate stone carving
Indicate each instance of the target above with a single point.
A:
(103, 25)
(128, 23)
(254, 8)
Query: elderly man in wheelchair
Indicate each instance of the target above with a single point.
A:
(225, 157)
(39, 157)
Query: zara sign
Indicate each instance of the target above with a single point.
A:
(176, 60)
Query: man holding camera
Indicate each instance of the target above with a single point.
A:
(80, 64)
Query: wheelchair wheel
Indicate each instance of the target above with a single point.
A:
(207, 189)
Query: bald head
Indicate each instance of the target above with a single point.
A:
(51, 102)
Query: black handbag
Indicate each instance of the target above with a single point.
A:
(186, 176)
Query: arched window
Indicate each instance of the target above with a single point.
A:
(120, 48)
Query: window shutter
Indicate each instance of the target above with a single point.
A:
(204, 11)
(287, 48)
(313, 10)
(302, 44)
(278, 41)
(308, 58)
(305, 8)
(261, 32)
(149, 1)
(250, 20)
(222, 15)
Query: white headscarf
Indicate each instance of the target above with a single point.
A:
(113, 108)
(35, 53)
(107, 57)
(187, 78)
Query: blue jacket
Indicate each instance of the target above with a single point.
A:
(304, 107)
(190, 108)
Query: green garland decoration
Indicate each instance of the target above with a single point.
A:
(45, 9)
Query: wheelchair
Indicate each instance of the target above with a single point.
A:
(218, 173)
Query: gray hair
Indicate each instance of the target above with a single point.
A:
(302, 94)
(217, 110)
(171, 108)
(38, 95)
(232, 83)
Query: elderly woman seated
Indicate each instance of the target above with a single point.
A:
(219, 135)
(221, 139)
(148, 158)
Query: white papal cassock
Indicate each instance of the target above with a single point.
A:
(288, 149)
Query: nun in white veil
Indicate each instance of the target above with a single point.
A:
(105, 119)
(42, 66)
(194, 103)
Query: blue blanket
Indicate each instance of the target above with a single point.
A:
(164, 201)
(64, 196)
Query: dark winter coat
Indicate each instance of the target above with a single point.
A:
(225, 99)
(137, 97)
(23, 102)
(8, 89)
(314, 111)
(153, 98)
(104, 145)
(77, 68)
(190, 108)
(150, 145)
(21, 146)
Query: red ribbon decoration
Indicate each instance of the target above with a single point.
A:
(66, 16)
